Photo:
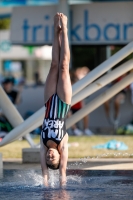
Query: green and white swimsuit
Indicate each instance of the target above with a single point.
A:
(53, 127)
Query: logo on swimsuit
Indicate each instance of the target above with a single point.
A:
(53, 129)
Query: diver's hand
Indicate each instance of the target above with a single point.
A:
(45, 183)
(63, 181)
(63, 184)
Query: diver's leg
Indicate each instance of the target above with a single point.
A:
(64, 89)
(51, 81)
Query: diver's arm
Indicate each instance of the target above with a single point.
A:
(63, 161)
(43, 163)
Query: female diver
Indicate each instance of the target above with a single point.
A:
(57, 98)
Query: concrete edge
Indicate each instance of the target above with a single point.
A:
(79, 160)
(1, 161)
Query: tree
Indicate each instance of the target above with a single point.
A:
(5, 23)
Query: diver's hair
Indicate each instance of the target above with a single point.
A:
(54, 166)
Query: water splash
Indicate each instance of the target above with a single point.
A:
(36, 178)
(54, 178)
(28, 178)
(74, 179)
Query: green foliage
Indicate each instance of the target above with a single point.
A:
(5, 23)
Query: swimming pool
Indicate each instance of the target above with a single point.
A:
(81, 185)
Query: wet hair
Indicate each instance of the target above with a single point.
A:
(54, 166)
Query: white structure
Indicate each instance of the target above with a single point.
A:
(101, 82)
(12, 114)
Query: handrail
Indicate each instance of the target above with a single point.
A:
(99, 100)
(104, 80)
(28, 125)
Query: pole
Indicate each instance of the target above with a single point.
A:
(27, 126)
(12, 114)
(98, 84)
(99, 100)
(102, 68)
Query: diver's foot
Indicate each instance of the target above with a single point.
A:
(57, 27)
(63, 20)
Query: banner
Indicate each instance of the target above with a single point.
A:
(96, 23)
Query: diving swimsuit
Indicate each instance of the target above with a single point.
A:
(53, 127)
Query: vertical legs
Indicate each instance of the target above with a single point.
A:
(64, 89)
(58, 80)
(52, 78)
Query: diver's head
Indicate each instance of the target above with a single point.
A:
(52, 158)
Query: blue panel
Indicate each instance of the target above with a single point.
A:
(3, 16)
(91, 1)
(7, 65)
(40, 2)
(11, 3)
